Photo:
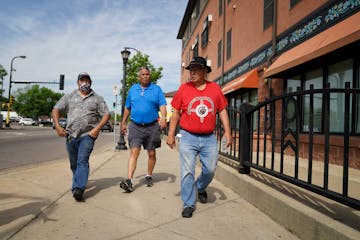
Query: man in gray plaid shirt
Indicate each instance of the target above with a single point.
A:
(87, 113)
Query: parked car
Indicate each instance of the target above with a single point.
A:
(108, 127)
(27, 122)
(62, 122)
(46, 122)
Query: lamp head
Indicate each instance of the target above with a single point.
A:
(125, 55)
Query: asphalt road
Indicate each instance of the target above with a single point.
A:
(20, 146)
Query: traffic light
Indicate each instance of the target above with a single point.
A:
(12, 98)
(62, 78)
(4, 106)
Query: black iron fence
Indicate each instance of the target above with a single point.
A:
(294, 137)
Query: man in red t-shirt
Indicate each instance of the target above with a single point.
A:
(195, 104)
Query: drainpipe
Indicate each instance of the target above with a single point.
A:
(274, 30)
(223, 44)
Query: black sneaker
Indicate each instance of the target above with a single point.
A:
(78, 194)
(202, 196)
(127, 185)
(149, 181)
(187, 212)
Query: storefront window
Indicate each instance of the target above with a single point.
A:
(313, 78)
(254, 101)
(357, 120)
(339, 74)
(292, 85)
(336, 74)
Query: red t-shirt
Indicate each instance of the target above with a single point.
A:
(198, 107)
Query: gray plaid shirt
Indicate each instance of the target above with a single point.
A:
(83, 113)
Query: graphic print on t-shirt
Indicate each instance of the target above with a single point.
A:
(201, 110)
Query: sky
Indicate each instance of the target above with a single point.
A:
(72, 36)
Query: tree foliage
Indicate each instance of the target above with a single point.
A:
(35, 101)
(134, 63)
(3, 73)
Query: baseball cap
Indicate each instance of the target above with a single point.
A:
(198, 62)
(84, 75)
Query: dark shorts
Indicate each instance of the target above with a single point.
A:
(147, 136)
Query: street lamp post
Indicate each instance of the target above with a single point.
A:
(116, 92)
(11, 70)
(125, 56)
(7, 124)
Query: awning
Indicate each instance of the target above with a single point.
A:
(340, 35)
(247, 80)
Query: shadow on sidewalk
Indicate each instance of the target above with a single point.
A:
(338, 212)
(158, 177)
(97, 185)
(33, 206)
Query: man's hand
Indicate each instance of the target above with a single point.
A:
(170, 141)
(60, 130)
(229, 140)
(94, 133)
(123, 128)
(162, 123)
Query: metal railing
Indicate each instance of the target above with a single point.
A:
(271, 137)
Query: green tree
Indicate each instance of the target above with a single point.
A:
(134, 63)
(3, 73)
(35, 101)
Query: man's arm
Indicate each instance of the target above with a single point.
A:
(175, 117)
(125, 116)
(224, 118)
(96, 130)
(56, 115)
(163, 117)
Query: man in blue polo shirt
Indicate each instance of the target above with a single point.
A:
(142, 105)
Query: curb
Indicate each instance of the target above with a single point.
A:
(307, 222)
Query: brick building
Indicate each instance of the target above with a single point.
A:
(265, 48)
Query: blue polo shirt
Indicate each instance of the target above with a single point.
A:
(144, 103)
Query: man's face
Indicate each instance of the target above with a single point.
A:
(84, 82)
(144, 77)
(197, 74)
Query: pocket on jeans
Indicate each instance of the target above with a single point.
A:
(91, 137)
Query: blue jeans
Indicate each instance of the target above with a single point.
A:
(191, 146)
(79, 150)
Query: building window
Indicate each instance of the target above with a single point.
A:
(357, 102)
(220, 7)
(268, 13)
(293, 3)
(197, 9)
(249, 96)
(195, 47)
(339, 74)
(336, 75)
(196, 50)
(219, 55)
(228, 45)
(293, 85)
(314, 78)
(205, 34)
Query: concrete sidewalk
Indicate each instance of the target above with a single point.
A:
(36, 203)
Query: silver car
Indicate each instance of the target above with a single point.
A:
(27, 122)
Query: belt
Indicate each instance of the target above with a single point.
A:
(200, 134)
(144, 124)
